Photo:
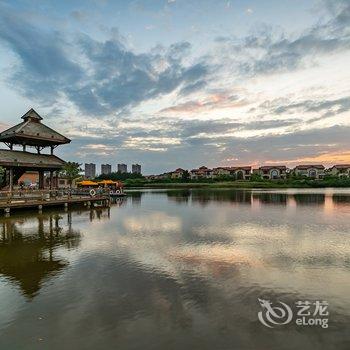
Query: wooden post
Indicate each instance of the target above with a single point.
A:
(41, 179)
(11, 179)
(24, 147)
(51, 179)
(52, 148)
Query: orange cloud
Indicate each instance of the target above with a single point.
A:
(216, 101)
(341, 157)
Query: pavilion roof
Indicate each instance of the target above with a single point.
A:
(29, 160)
(32, 132)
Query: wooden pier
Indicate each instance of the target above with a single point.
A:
(29, 199)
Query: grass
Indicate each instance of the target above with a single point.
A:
(289, 183)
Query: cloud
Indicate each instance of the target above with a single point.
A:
(324, 108)
(268, 51)
(212, 101)
(99, 77)
(45, 68)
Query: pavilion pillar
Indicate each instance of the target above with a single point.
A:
(41, 179)
(24, 147)
(52, 148)
(56, 182)
(11, 179)
(51, 179)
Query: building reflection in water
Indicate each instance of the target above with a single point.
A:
(29, 243)
(258, 197)
(309, 198)
(204, 197)
(179, 196)
(271, 198)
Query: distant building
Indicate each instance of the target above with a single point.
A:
(311, 171)
(340, 170)
(122, 168)
(177, 174)
(136, 169)
(202, 172)
(90, 170)
(29, 177)
(272, 172)
(239, 173)
(106, 169)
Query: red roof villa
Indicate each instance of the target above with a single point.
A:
(311, 171)
(273, 172)
(341, 170)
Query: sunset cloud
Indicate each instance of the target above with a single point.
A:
(226, 93)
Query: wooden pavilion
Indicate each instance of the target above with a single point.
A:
(30, 133)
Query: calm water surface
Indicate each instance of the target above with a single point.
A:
(176, 270)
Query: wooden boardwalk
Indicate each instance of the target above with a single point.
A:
(39, 199)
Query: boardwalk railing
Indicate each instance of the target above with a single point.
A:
(27, 195)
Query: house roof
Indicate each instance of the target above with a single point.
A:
(29, 160)
(309, 166)
(234, 168)
(32, 132)
(269, 167)
(342, 166)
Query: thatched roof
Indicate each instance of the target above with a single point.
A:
(29, 160)
(32, 132)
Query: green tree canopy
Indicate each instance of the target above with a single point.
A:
(71, 171)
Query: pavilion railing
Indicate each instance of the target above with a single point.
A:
(28, 195)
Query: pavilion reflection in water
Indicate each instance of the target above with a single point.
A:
(29, 244)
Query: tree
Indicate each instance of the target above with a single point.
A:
(71, 171)
(185, 176)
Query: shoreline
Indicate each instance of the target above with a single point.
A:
(241, 185)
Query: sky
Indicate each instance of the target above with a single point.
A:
(182, 83)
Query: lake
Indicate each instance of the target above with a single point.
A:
(180, 269)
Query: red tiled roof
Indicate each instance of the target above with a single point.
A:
(342, 166)
(269, 167)
(305, 167)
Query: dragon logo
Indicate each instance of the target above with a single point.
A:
(271, 316)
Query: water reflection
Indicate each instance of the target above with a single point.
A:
(28, 245)
(204, 197)
(271, 198)
(178, 269)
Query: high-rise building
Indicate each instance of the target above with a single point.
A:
(106, 169)
(122, 168)
(90, 170)
(136, 169)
